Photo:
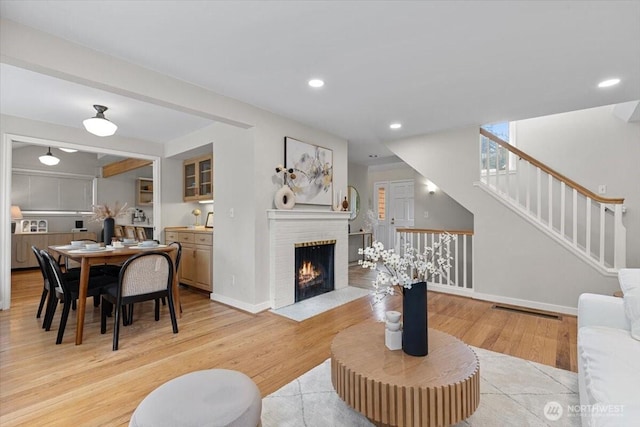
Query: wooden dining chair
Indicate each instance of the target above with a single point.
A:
(141, 234)
(129, 232)
(143, 277)
(176, 265)
(118, 232)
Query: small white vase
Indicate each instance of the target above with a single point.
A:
(284, 198)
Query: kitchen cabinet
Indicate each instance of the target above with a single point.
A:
(196, 264)
(198, 179)
(144, 192)
(21, 254)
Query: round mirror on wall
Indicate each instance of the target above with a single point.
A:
(354, 202)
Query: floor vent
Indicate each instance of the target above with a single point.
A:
(529, 311)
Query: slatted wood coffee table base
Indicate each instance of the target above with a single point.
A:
(392, 388)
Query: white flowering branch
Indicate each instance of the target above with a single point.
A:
(403, 271)
(102, 212)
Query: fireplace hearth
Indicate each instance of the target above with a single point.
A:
(314, 268)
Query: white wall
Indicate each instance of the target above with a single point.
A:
(513, 261)
(438, 211)
(358, 179)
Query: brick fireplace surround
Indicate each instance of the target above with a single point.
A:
(288, 227)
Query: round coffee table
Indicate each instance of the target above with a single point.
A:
(392, 388)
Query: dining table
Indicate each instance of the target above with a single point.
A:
(107, 255)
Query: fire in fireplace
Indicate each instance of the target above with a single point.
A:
(314, 270)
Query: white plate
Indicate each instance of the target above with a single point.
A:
(85, 250)
(67, 247)
(148, 247)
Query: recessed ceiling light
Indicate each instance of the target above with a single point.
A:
(316, 83)
(373, 156)
(395, 125)
(68, 150)
(609, 83)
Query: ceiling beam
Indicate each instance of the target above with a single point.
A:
(123, 166)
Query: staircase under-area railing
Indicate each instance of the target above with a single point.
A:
(584, 222)
(458, 278)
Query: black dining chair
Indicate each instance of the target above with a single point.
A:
(45, 285)
(143, 277)
(67, 291)
(70, 276)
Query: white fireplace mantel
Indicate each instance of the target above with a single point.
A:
(306, 214)
(289, 227)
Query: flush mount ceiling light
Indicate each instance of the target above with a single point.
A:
(68, 150)
(316, 83)
(49, 159)
(99, 125)
(609, 83)
(395, 125)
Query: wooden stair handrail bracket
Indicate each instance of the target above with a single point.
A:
(582, 190)
(123, 166)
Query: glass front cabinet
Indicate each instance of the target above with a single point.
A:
(198, 178)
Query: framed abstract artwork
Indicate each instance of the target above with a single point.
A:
(313, 169)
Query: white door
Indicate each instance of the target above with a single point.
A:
(381, 203)
(400, 207)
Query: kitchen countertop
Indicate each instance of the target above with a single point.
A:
(135, 224)
(200, 229)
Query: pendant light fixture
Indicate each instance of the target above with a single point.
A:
(49, 159)
(99, 125)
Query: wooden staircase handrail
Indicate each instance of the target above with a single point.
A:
(579, 188)
(434, 231)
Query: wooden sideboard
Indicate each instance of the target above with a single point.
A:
(21, 254)
(196, 264)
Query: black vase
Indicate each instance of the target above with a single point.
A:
(108, 227)
(414, 328)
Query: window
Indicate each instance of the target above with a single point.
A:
(493, 156)
(382, 208)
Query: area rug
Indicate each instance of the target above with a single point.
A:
(319, 304)
(513, 392)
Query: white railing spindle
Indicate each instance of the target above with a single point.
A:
(574, 220)
(457, 275)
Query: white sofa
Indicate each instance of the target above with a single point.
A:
(609, 356)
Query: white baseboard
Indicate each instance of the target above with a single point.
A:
(445, 289)
(469, 293)
(241, 305)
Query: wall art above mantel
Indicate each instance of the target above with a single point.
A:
(313, 167)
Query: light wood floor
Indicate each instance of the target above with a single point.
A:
(43, 384)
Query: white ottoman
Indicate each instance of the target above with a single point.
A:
(215, 398)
